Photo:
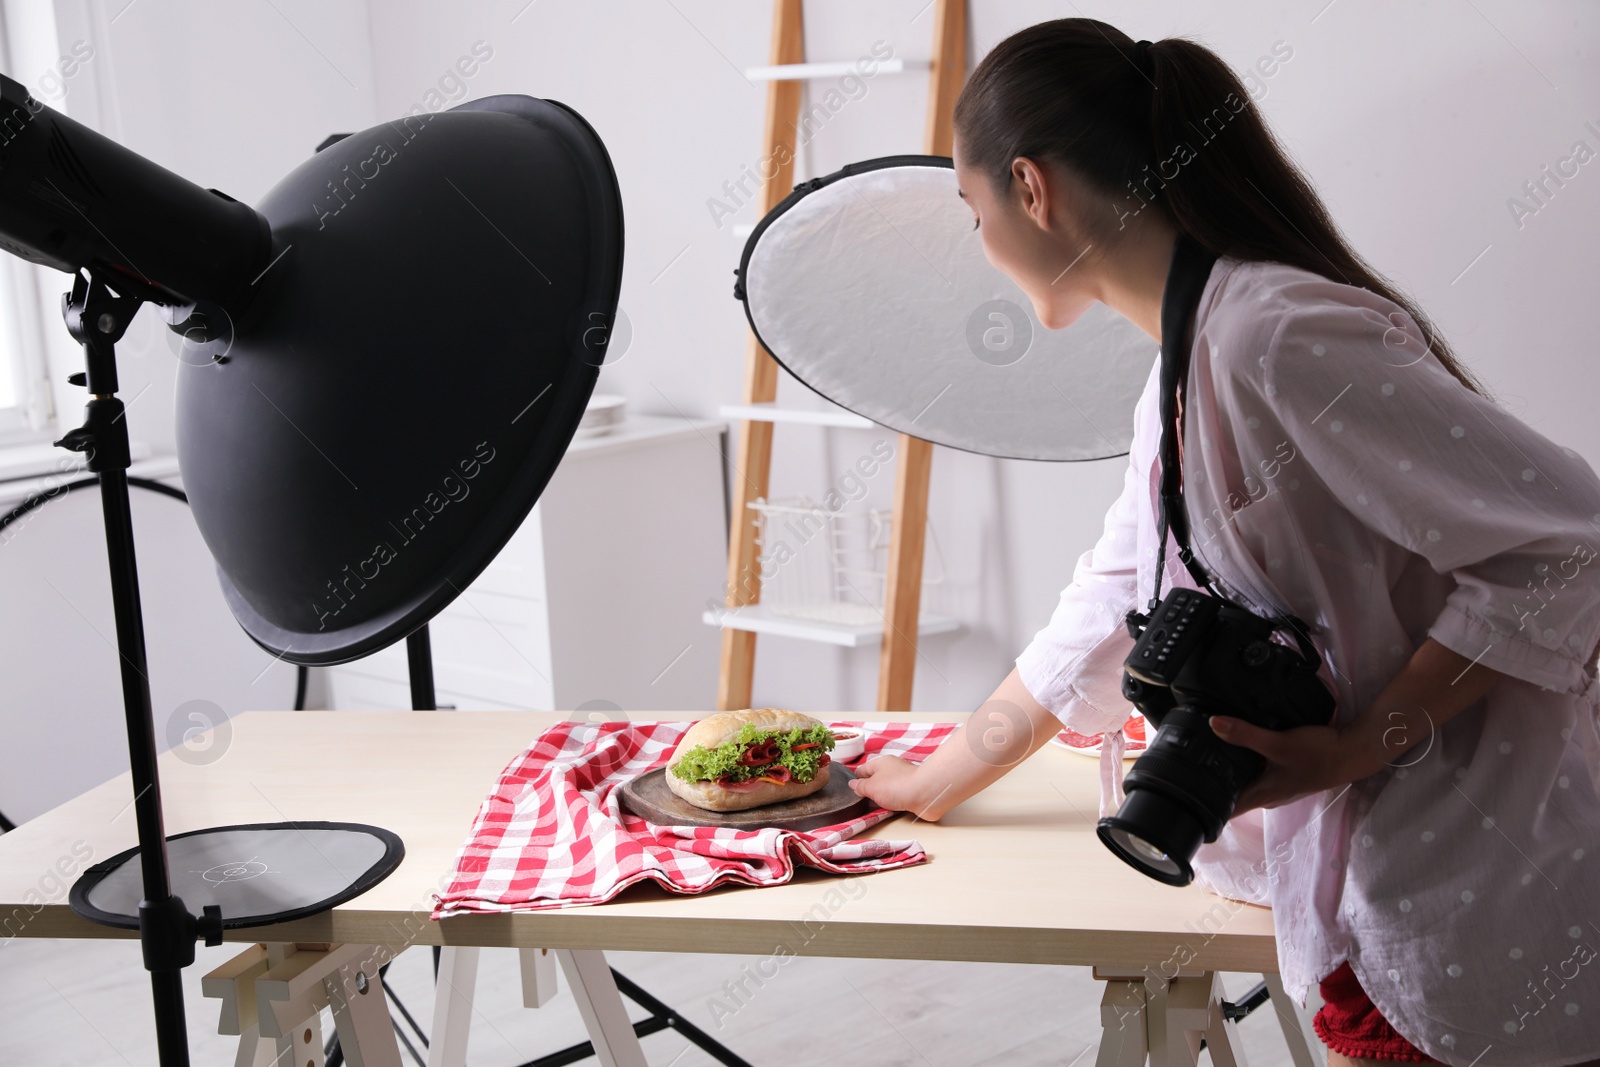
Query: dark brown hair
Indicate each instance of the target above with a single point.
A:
(1174, 127)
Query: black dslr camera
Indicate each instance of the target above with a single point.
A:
(1198, 655)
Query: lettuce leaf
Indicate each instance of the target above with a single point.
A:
(701, 764)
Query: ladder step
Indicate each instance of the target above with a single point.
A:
(760, 619)
(804, 416)
(803, 71)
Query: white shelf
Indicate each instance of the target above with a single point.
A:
(758, 618)
(802, 71)
(643, 431)
(804, 416)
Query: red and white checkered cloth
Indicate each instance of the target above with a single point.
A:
(553, 833)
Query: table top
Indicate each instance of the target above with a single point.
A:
(1016, 874)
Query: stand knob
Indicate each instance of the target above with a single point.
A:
(209, 925)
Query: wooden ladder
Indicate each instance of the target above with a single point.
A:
(914, 457)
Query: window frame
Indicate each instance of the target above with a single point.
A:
(31, 419)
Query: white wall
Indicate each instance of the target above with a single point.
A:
(662, 84)
(232, 97)
(1417, 123)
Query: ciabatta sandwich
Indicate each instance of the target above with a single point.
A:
(736, 760)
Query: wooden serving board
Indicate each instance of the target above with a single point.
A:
(648, 796)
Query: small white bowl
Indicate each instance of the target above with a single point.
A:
(848, 743)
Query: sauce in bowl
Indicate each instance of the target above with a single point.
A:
(848, 744)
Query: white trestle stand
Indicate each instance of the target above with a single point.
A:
(273, 995)
(1144, 1016)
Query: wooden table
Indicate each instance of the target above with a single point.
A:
(1015, 874)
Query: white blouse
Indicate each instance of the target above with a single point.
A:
(1334, 469)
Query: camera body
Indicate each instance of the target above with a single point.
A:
(1196, 656)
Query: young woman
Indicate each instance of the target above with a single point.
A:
(1433, 857)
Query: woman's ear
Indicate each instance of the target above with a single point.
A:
(1033, 187)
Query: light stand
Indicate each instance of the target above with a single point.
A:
(438, 292)
(419, 660)
(97, 320)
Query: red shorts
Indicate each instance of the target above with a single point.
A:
(1349, 1024)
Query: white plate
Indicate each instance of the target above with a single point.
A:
(603, 410)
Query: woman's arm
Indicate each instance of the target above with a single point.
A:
(1434, 687)
(1007, 729)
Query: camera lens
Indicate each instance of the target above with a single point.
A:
(1154, 834)
(1180, 792)
(1144, 848)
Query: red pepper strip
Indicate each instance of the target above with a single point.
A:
(808, 744)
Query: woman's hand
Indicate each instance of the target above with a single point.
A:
(1305, 760)
(1397, 729)
(1004, 731)
(893, 783)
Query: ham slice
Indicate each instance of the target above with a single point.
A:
(744, 786)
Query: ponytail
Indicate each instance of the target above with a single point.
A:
(1162, 126)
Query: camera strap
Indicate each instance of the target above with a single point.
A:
(1187, 275)
(1186, 281)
